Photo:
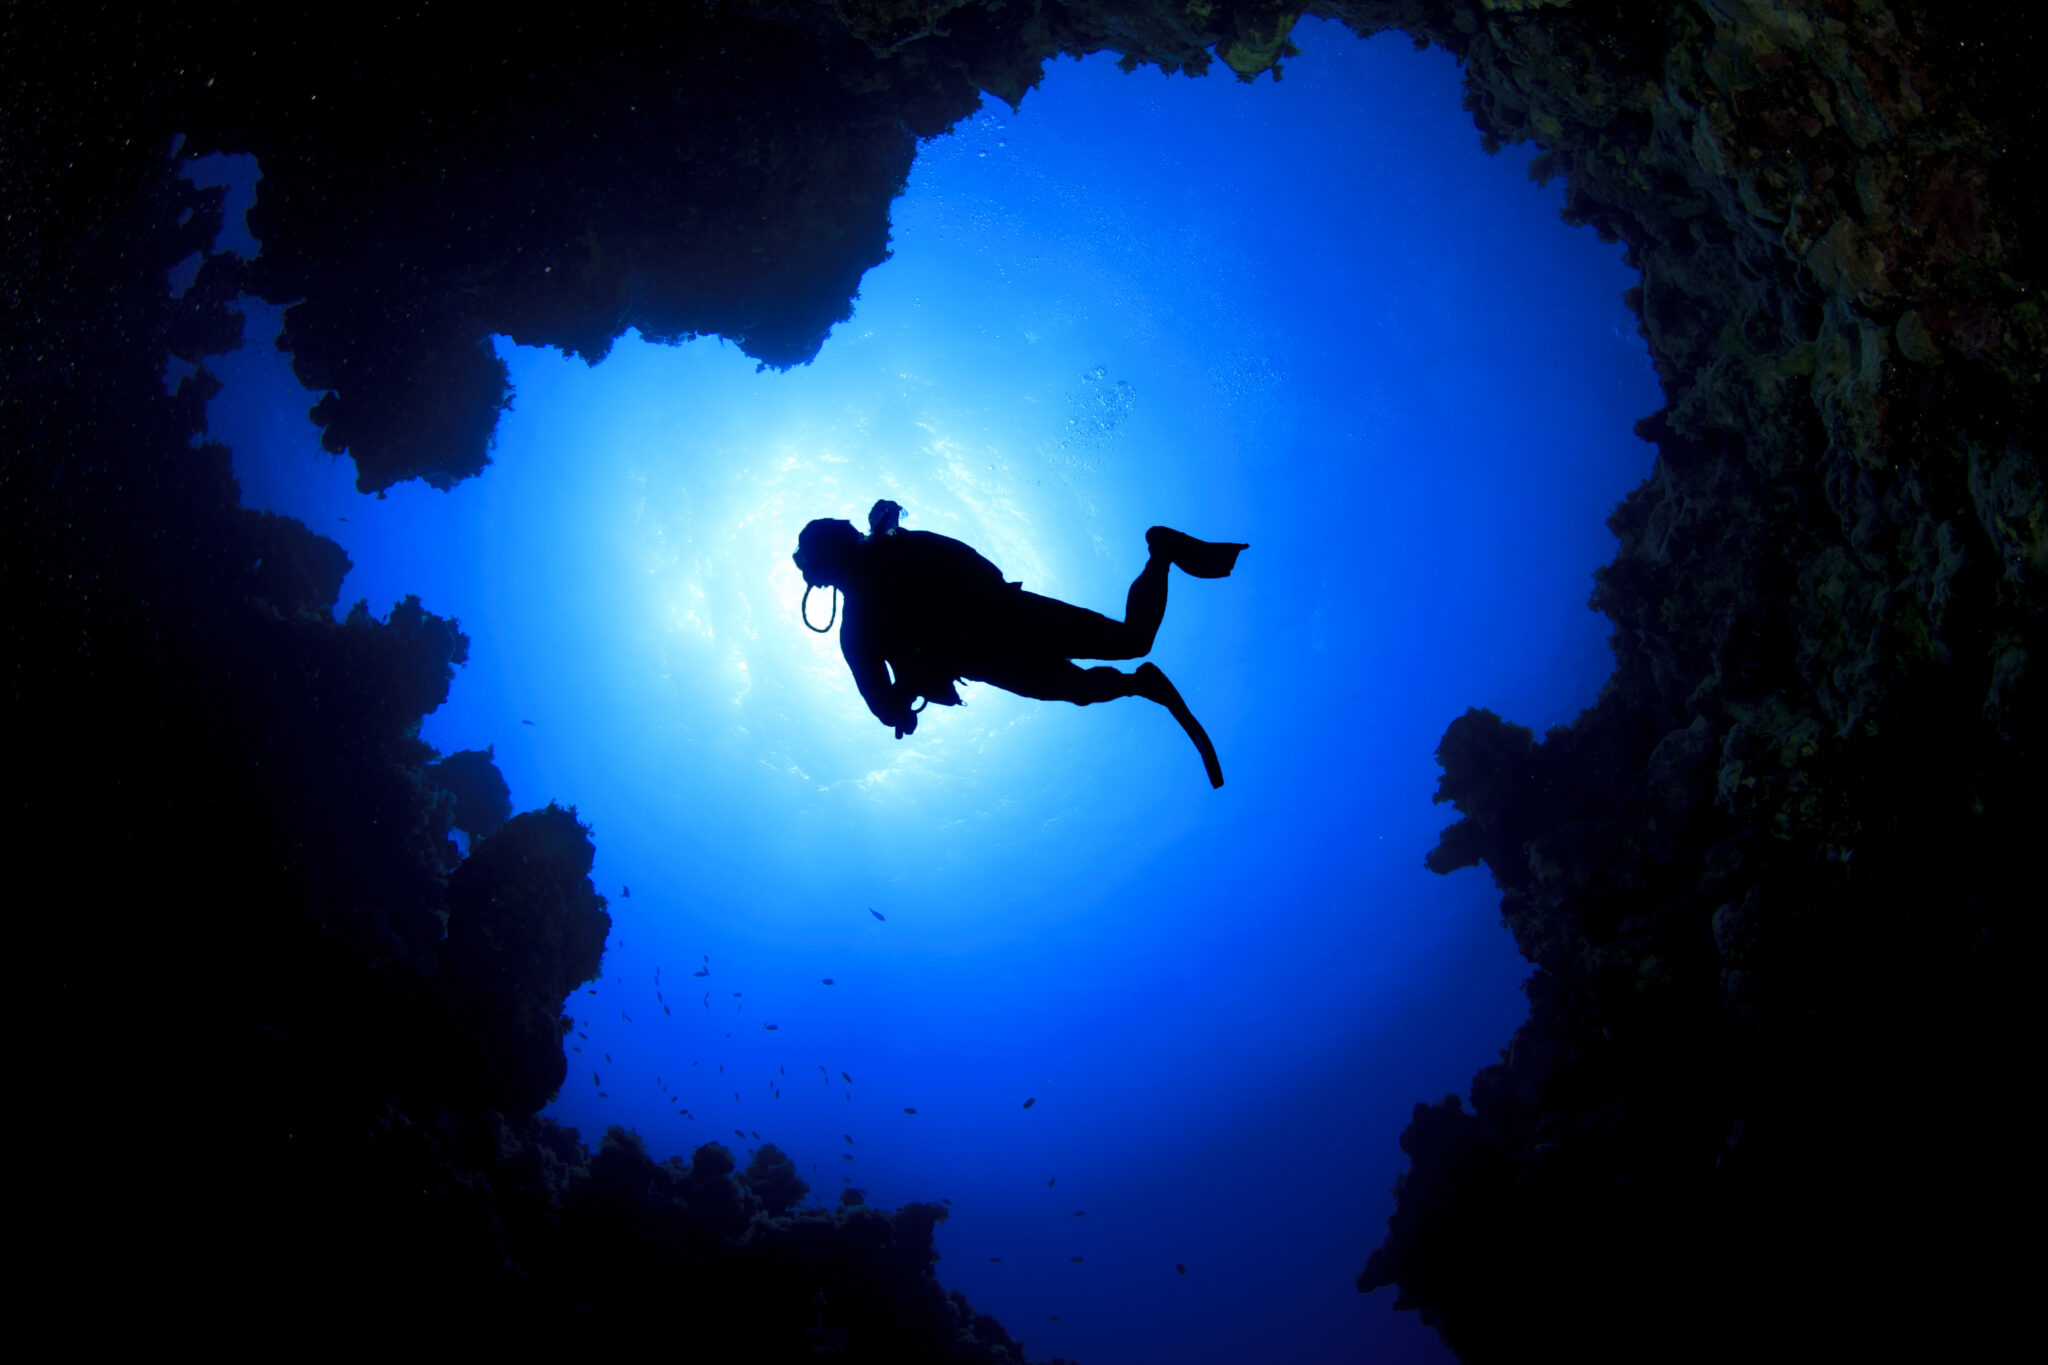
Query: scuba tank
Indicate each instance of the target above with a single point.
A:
(927, 682)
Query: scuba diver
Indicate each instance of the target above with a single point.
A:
(924, 611)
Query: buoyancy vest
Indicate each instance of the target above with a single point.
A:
(932, 604)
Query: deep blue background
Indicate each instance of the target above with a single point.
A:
(1310, 315)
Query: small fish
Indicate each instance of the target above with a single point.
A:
(778, 1094)
(526, 722)
(584, 1036)
(705, 972)
(735, 1094)
(781, 1071)
(607, 1056)
(665, 1010)
(1180, 1268)
(846, 1156)
(625, 1016)
(821, 1072)
(594, 1080)
(693, 1063)
(828, 980)
(735, 995)
(995, 1260)
(1029, 1103)
(771, 1027)
(341, 518)
(848, 1137)
(707, 1000)
(1048, 1184)
(721, 1068)
(626, 893)
(601, 1095)
(844, 1077)
(590, 992)
(947, 1202)
(575, 1049)
(1080, 1213)
(910, 1111)
(757, 1137)
(737, 1133)
(1054, 1316)
(877, 914)
(690, 1116)
(1075, 1259)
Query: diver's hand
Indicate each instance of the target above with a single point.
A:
(907, 725)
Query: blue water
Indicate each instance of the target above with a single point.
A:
(1309, 315)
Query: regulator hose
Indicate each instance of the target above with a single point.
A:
(805, 609)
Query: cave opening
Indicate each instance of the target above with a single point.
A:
(1766, 880)
(1308, 314)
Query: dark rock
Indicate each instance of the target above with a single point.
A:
(482, 800)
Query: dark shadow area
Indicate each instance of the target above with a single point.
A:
(482, 800)
(1773, 881)
(924, 612)
(294, 1042)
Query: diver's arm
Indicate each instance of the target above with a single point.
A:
(890, 701)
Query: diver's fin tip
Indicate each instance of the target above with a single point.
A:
(1159, 688)
(1197, 558)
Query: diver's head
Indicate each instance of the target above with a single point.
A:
(824, 552)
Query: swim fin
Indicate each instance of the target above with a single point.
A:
(1200, 558)
(1153, 684)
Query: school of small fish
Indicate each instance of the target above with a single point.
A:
(704, 970)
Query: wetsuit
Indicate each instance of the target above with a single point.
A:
(930, 610)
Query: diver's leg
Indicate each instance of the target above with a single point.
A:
(1048, 678)
(1145, 603)
(1047, 626)
(1144, 609)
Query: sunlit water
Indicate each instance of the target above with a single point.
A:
(1311, 316)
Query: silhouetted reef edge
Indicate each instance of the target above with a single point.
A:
(1771, 882)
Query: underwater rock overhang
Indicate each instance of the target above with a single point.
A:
(1763, 880)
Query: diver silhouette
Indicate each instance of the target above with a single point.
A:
(924, 611)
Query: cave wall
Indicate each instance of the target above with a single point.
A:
(287, 1043)
(1766, 881)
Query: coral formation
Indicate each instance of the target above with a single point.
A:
(525, 928)
(482, 800)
